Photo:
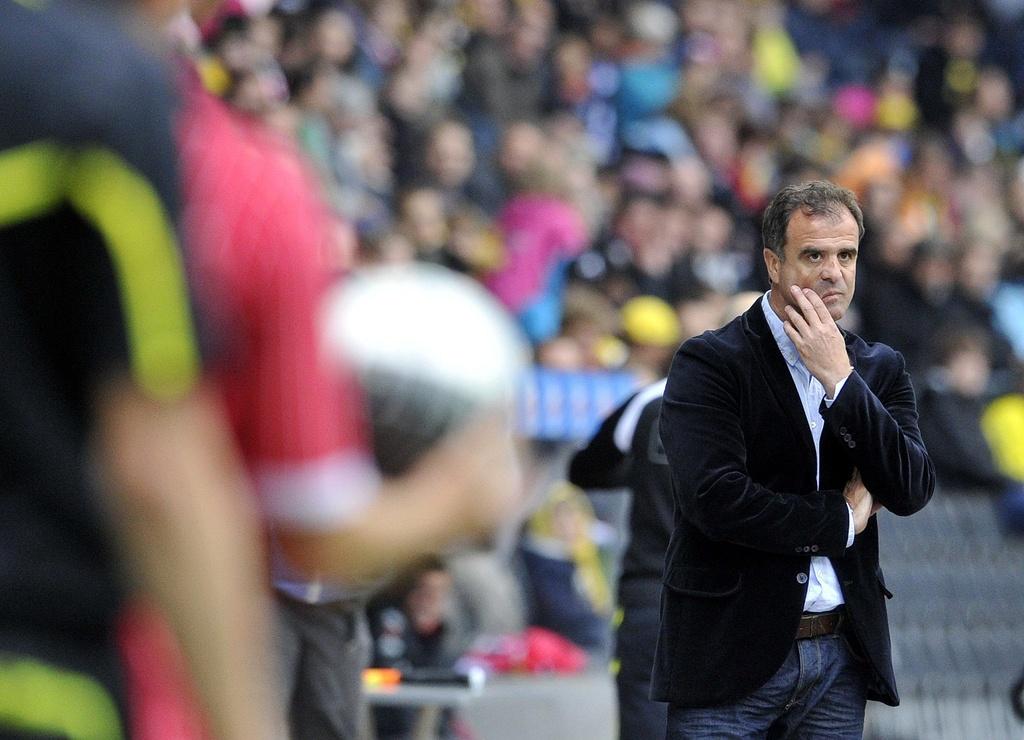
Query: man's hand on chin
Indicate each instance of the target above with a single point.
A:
(817, 339)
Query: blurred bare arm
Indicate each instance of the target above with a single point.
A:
(189, 530)
(462, 489)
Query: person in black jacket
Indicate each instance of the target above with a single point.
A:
(783, 434)
(626, 451)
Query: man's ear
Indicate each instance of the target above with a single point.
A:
(771, 261)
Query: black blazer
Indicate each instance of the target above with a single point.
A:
(749, 514)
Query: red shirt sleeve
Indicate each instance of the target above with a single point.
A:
(261, 231)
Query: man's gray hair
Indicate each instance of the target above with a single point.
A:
(816, 198)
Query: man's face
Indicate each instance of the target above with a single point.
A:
(820, 254)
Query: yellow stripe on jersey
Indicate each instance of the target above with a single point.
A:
(31, 181)
(36, 697)
(127, 212)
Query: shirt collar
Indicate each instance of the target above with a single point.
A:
(786, 346)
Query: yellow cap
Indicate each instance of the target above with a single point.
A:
(649, 320)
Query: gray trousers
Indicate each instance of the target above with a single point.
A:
(322, 650)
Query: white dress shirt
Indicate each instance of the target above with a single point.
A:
(823, 590)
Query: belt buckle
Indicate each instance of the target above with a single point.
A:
(817, 625)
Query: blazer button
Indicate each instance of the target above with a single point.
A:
(801, 578)
(842, 431)
(852, 444)
(799, 549)
(814, 548)
(807, 548)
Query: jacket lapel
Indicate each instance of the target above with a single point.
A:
(775, 370)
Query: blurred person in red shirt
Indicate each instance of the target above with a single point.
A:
(118, 471)
(261, 233)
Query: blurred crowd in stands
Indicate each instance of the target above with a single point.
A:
(601, 167)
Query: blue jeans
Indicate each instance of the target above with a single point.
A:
(818, 692)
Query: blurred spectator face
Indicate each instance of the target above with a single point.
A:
(994, 96)
(521, 147)
(678, 228)
(563, 168)
(737, 304)
(980, 192)
(639, 221)
(716, 139)
(427, 603)
(490, 17)
(714, 230)
(423, 220)
(561, 353)
(254, 93)
(697, 16)
(390, 17)
(606, 36)
(968, 371)
(589, 318)
(450, 156)
(973, 136)
(895, 249)
(758, 171)
(237, 51)
(979, 270)
(529, 39)
(933, 272)
(266, 33)
(702, 313)
(964, 37)
(296, 52)
(820, 253)
(407, 94)
(568, 523)
(881, 200)
(934, 166)
(733, 36)
(572, 69)
(334, 38)
(691, 181)
(474, 239)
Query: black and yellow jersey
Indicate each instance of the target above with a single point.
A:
(92, 285)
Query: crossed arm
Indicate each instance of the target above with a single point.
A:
(702, 431)
(890, 455)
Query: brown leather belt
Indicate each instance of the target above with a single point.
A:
(816, 625)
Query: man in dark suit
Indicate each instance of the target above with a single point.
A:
(784, 435)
